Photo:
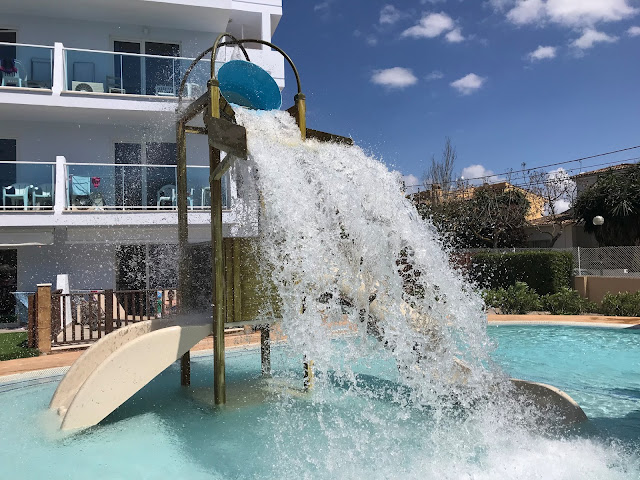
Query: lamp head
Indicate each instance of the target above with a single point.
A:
(598, 220)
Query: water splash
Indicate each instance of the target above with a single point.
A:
(351, 259)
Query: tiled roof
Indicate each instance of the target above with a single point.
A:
(612, 168)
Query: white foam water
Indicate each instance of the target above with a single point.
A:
(351, 258)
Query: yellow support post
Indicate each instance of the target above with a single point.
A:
(217, 255)
(183, 239)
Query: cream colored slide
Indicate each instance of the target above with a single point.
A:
(120, 364)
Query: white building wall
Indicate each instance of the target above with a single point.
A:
(90, 267)
(100, 36)
(86, 143)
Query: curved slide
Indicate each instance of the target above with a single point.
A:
(120, 364)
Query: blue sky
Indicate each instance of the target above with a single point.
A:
(510, 81)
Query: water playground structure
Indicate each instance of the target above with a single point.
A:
(123, 362)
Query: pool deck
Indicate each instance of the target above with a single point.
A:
(568, 320)
(66, 358)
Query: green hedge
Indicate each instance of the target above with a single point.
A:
(544, 271)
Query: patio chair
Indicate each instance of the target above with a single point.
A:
(79, 192)
(166, 194)
(13, 73)
(206, 192)
(17, 191)
(42, 193)
(114, 84)
(165, 91)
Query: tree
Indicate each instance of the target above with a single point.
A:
(557, 192)
(489, 218)
(616, 197)
(441, 171)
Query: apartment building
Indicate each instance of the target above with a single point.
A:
(87, 135)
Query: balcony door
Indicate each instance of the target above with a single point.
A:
(7, 52)
(159, 176)
(7, 154)
(147, 75)
(128, 179)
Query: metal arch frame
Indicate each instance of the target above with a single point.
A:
(214, 107)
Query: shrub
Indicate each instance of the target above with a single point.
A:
(544, 271)
(518, 299)
(623, 304)
(567, 302)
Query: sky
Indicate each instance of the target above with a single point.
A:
(509, 81)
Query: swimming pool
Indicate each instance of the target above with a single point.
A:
(165, 432)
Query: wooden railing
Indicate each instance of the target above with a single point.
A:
(81, 318)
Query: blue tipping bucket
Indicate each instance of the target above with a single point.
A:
(246, 84)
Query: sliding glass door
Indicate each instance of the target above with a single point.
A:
(147, 75)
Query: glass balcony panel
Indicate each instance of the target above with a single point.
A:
(137, 187)
(25, 66)
(127, 73)
(27, 185)
(198, 188)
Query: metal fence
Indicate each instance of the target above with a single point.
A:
(599, 261)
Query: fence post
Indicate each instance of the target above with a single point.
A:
(108, 311)
(265, 351)
(32, 325)
(579, 264)
(43, 318)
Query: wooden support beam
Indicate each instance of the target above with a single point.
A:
(265, 350)
(43, 318)
(108, 311)
(31, 325)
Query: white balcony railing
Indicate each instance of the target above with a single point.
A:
(132, 74)
(27, 185)
(28, 66)
(100, 187)
(59, 69)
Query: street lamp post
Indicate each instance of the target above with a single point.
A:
(598, 221)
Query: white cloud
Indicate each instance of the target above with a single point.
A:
(590, 37)
(560, 187)
(454, 36)
(567, 12)
(435, 75)
(526, 11)
(633, 31)
(561, 205)
(389, 15)
(478, 174)
(500, 5)
(468, 84)
(412, 183)
(321, 6)
(396, 77)
(542, 53)
(587, 12)
(430, 26)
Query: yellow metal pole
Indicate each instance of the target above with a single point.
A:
(217, 255)
(301, 106)
(183, 239)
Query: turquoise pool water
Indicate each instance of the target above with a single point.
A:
(166, 432)
(599, 368)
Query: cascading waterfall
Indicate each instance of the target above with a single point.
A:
(360, 278)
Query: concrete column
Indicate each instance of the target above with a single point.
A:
(59, 66)
(60, 199)
(266, 29)
(43, 318)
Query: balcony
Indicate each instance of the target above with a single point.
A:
(97, 187)
(54, 83)
(27, 186)
(103, 187)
